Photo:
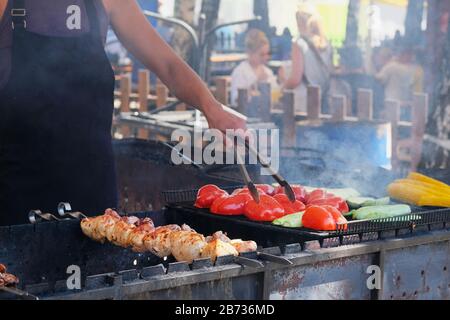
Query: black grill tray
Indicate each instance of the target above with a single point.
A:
(268, 234)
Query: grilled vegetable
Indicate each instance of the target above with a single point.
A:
(323, 218)
(290, 221)
(321, 197)
(358, 202)
(268, 209)
(262, 188)
(231, 206)
(344, 193)
(420, 190)
(299, 192)
(381, 212)
(420, 177)
(207, 194)
(289, 207)
(266, 188)
(417, 195)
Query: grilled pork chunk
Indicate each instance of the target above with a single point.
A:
(240, 245)
(119, 233)
(187, 245)
(244, 246)
(136, 238)
(158, 241)
(103, 223)
(218, 248)
(95, 228)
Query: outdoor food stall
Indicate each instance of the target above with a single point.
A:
(349, 195)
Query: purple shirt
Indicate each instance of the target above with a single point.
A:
(48, 17)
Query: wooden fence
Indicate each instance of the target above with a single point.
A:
(406, 150)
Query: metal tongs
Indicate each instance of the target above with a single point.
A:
(248, 181)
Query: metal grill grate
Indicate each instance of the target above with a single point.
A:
(184, 200)
(187, 197)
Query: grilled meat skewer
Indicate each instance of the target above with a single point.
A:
(184, 243)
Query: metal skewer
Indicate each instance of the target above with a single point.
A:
(64, 209)
(36, 216)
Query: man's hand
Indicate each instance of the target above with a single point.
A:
(222, 118)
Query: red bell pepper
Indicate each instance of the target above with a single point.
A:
(289, 207)
(320, 198)
(299, 191)
(337, 216)
(230, 205)
(207, 194)
(335, 202)
(316, 195)
(318, 218)
(264, 188)
(323, 218)
(268, 209)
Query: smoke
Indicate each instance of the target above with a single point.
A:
(343, 155)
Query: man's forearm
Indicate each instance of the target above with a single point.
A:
(187, 86)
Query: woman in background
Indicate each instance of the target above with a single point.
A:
(252, 71)
(311, 57)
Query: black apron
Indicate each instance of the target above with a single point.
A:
(55, 123)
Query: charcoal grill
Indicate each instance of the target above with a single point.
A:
(40, 254)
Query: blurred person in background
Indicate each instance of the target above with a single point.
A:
(380, 57)
(401, 76)
(254, 69)
(311, 57)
